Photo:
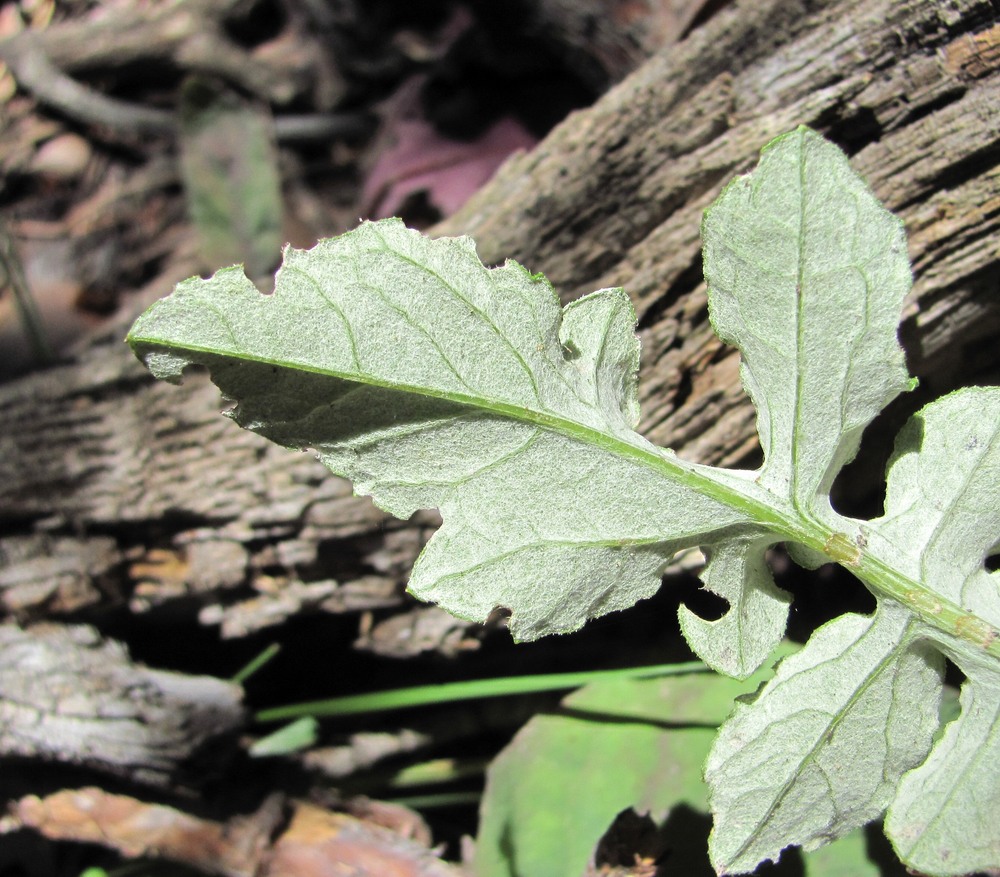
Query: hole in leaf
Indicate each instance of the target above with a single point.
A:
(993, 561)
(678, 846)
(570, 351)
(706, 605)
(950, 707)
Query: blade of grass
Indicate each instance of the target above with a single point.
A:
(293, 737)
(474, 689)
(425, 775)
(253, 666)
(437, 771)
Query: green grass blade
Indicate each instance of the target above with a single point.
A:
(475, 689)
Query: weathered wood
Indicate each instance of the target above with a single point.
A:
(188, 504)
(69, 696)
(122, 489)
(614, 196)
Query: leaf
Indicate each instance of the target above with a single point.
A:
(431, 381)
(806, 276)
(807, 745)
(801, 764)
(942, 515)
(229, 165)
(293, 737)
(564, 777)
(554, 790)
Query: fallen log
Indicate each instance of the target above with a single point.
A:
(114, 488)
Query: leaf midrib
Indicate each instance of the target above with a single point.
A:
(883, 579)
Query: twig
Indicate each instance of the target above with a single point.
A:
(34, 328)
(34, 71)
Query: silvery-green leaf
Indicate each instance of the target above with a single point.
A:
(806, 274)
(431, 381)
(739, 642)
(943, 820)
(821, 749)
(942, 514)
(942, 520)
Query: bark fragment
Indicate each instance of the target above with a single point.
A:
(68, 695)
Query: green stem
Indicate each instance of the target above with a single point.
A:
(437, 800)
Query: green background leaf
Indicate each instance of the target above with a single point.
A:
(229, 165)
(553, 792)
(557, 787)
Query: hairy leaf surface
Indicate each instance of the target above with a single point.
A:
(806, 275)
(432, 381)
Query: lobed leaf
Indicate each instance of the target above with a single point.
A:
(806, 275)
(942, 520)
(822, 748)
(803, 763)
(432, 381)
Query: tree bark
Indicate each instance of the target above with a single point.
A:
(114, 487)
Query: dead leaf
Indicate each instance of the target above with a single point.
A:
(448, 171)
(315, 843)
(136, 828)
(318, 843)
